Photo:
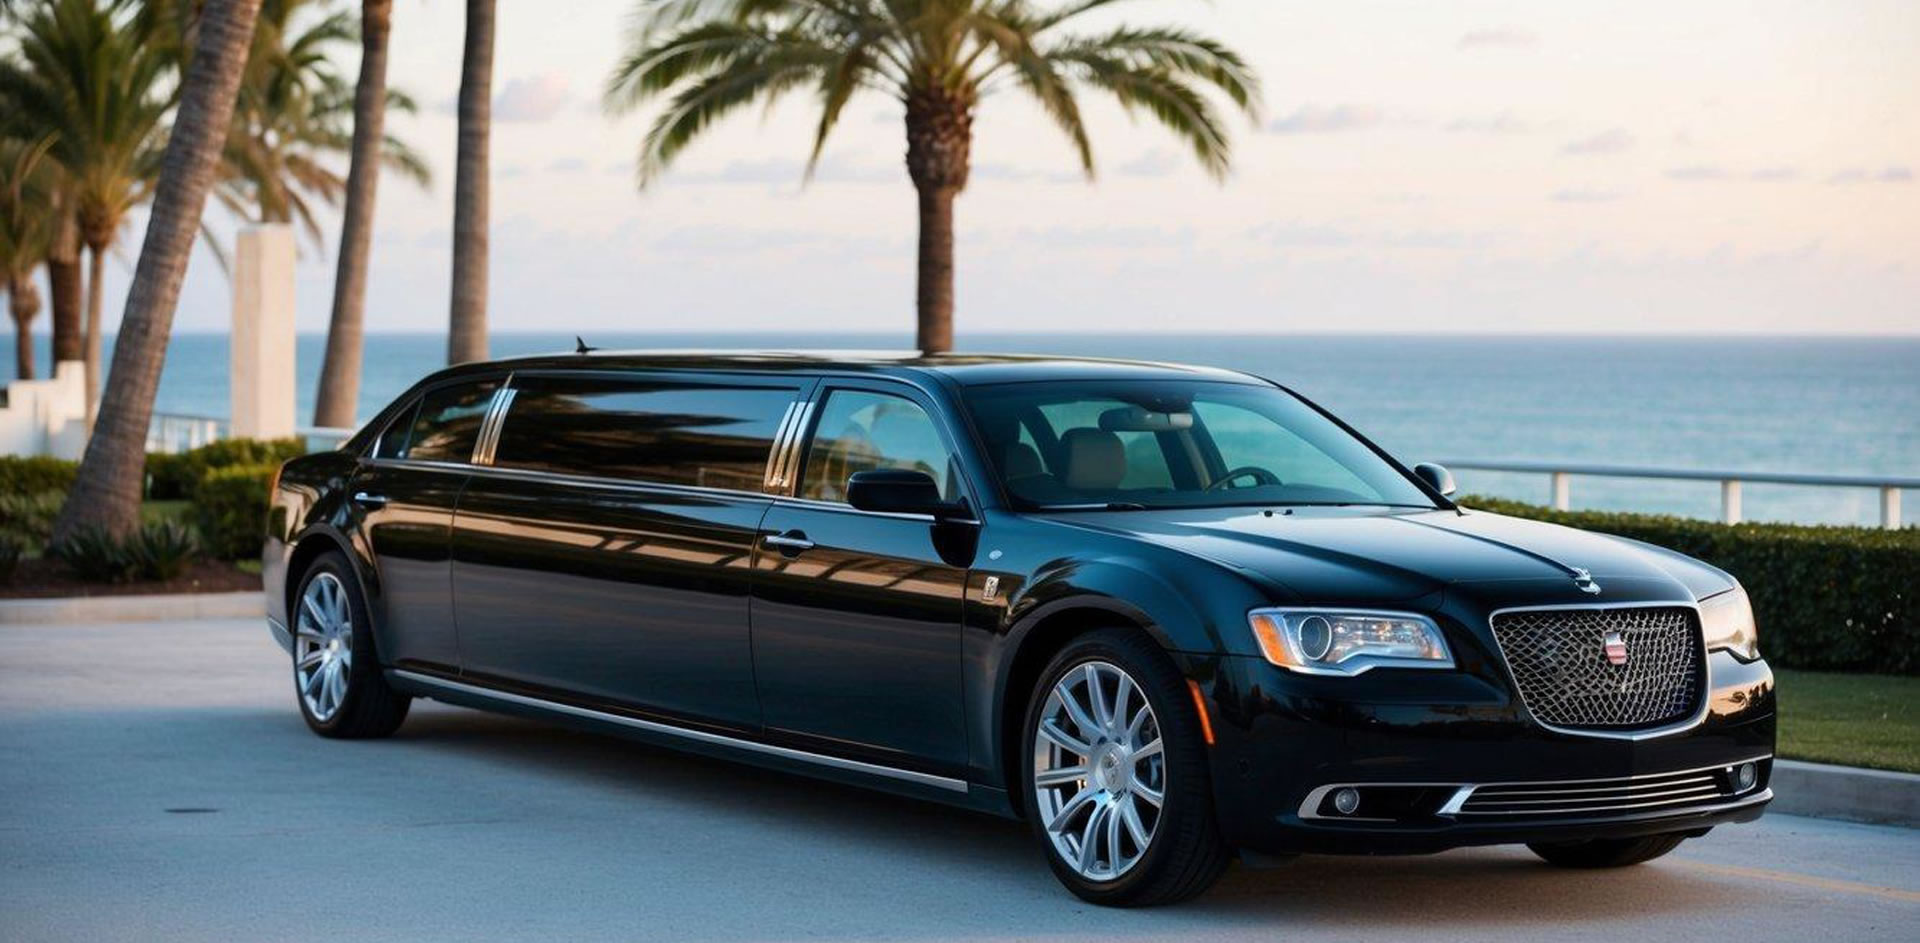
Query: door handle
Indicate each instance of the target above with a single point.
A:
(792, 543)
(364, 499)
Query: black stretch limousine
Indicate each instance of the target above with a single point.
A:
(1162, 613)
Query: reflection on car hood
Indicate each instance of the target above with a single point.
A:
(1358, 553)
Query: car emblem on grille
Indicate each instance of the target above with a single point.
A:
(1615, 648)
(1584, 579)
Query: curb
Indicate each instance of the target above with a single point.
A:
(156, 608)
(1845, 792)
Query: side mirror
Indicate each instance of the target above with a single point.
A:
(1436, 476)
(900, 491)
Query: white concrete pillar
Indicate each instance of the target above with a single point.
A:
(1562, 491)
(262, 367)
(1730, 501)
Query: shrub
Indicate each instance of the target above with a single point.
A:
(36, 474)
(1831, 598)
(161, 550)
(30, 517)
(177, 476)
(97, 556)
(12, 548)
(230, 506)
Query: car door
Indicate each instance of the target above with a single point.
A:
(857, 615)
(603, 549)
(404, 495)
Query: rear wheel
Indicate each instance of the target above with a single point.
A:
(1606, 852)
(336, 675)
(1116, 775)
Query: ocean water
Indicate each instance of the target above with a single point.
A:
(1780, 404)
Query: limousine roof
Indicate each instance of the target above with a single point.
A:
(963, 368)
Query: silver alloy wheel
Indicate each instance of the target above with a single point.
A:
(323, 646)
(1099, 770)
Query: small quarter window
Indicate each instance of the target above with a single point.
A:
(448, 422)
(393, 440)
(862, 431)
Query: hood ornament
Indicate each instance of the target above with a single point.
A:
(1584, 580)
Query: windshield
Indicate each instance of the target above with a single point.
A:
(1174, 444)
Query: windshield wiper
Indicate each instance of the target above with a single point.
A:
(1096, 506)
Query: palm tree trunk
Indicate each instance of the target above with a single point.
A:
(96, 270)
(23, 302)
(939, 160)
(467, 323)
(339, 399)
(106, 494)
(935, 301)
(64, 288)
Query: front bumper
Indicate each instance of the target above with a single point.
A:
(1419, 745)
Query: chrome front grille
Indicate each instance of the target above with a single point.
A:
(1561, 664)
(1597, 796)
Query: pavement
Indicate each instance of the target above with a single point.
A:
(156, 783)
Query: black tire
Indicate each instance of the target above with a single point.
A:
(1186, 853)
(1606, 852)
(371, 708)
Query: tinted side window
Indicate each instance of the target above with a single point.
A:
(860, 431)
(448, 422)
(393, 439)
(644, 430)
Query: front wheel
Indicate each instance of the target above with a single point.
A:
(1116, 773)
(1606, 852)
(336, 676)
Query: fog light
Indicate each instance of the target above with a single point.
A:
(1745, 776)
(1346, 800)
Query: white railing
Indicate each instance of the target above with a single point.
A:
(175, 432)
(1560, 476)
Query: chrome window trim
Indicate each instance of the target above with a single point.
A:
(1464, 791)
(768, 482)
(786, 453)
(1681, 726)
(699, 736)
(490, 425)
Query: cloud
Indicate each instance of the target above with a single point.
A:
(1313, 119)
(1775, 174)
(1502, 123)
(778, 171)
(1862, 175)
(1154, 163)
(1580, 195)
(1610, 141)
(567, 165)
(996, 170)
(1697, 173)
(531, 100)
(1324, 236)
(1505, 37)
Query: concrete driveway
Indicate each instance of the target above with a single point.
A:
(157, 784)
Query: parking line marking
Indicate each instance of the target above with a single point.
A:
(1808, 880)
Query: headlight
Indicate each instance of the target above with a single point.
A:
(1339, 642)
(1727, 622)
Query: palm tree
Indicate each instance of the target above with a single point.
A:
(106, 494)
(467, 317)
(87, 75)
(939, 58)
(26, 230)
(339, 399)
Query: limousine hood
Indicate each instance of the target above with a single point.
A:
(1358, 555)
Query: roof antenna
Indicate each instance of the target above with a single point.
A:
(580, 346)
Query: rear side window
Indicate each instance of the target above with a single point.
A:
(448, 423)
(662, 432)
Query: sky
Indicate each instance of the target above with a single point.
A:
(1713, 166)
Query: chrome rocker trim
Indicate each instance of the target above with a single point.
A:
(701, 736)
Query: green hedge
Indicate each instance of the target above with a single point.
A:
(176, 476)
(1832, 598)
(36, 474)
(230, 508)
